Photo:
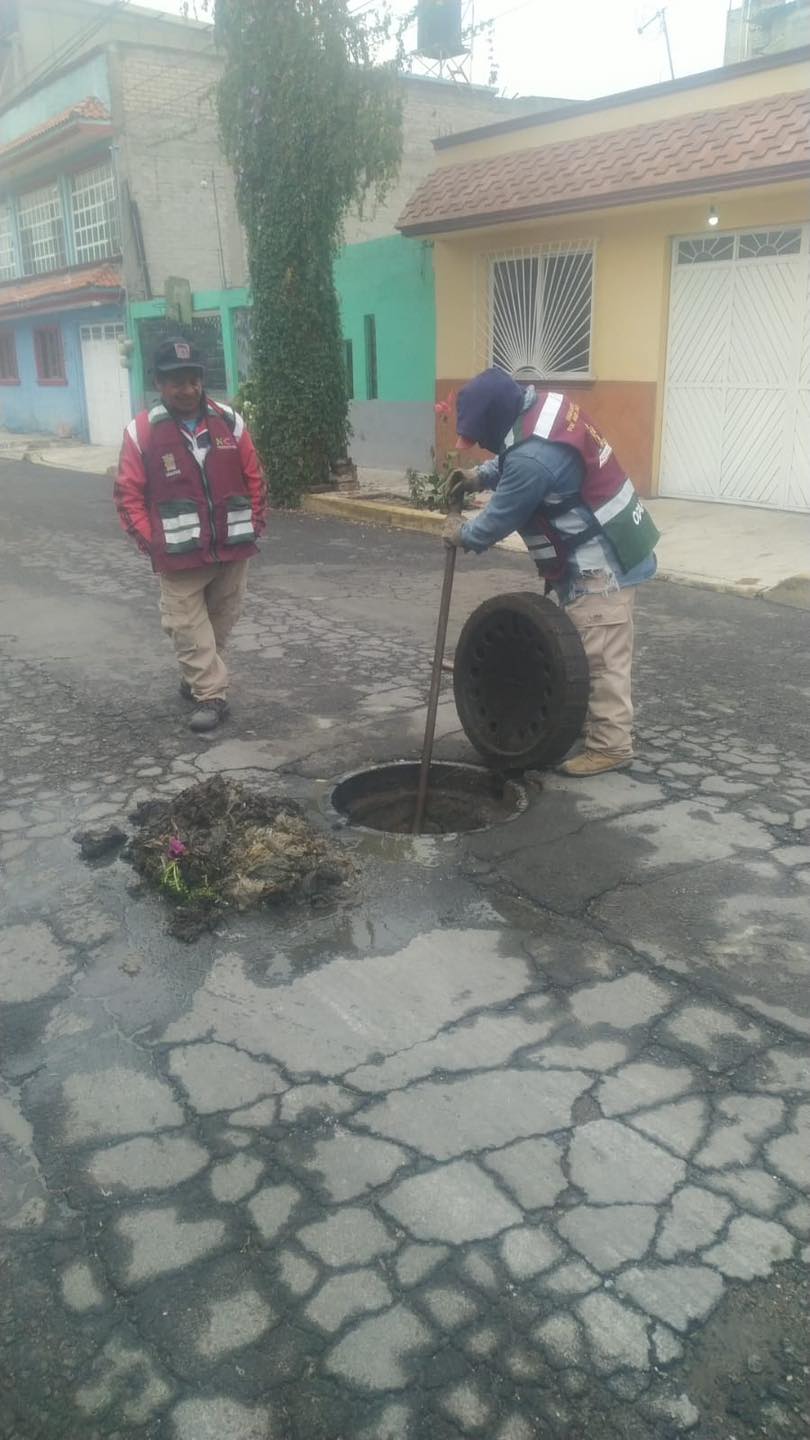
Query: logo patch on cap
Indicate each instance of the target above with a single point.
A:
(182, 350)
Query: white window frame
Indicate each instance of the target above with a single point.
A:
(94, 214)
(8, 246)
(540, 253)
(47, 227)
(771, 230)
(705, 241)
(102, 332)
(735, 258)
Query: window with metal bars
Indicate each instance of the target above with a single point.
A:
(749, 245)
(205, 331)
(9, 374)
(759, 244)
(49, 356)
(540, 310)
(8, 259)
(94, 199)
(42, 230)
(705, 249)
(102, 332)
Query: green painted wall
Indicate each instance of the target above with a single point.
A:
(223, 303)
(391, 279)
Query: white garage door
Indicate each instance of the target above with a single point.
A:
(106, 384)
(737, 404)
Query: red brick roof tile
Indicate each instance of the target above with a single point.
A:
(89, 109)
(69, 285)
(738, 146)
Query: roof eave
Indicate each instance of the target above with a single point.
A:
(77, 128)
(797, 56)
(705, 185)
(61, 300)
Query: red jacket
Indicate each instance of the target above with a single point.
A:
(190, 500)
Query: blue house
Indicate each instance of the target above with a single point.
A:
(62, 307)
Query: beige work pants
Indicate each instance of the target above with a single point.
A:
(605, 624)
(198, 609)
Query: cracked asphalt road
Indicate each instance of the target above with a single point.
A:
(511, 1141)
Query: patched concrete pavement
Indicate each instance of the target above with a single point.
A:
(510, 1141)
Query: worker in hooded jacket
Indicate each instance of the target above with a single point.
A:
(557, 482)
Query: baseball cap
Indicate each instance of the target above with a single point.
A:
(177, 354)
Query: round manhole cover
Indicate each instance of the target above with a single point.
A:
(520, 679)
(460, 798)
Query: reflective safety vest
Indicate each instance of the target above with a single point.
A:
(197, 496)
(616, 509)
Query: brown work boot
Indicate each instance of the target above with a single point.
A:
(595, 762)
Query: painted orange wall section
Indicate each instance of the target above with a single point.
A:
(623, 410)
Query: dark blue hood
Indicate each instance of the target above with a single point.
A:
(487, 408)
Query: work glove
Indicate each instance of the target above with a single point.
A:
(459, 484)
(451, 534)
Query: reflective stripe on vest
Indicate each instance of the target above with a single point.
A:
(198, 508)
(546, 420)
(606, 493)
(618, 502)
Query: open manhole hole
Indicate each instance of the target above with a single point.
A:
(460, 798)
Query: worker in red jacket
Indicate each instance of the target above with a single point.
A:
(190, 492)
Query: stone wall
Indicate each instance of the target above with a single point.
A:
(174, 169)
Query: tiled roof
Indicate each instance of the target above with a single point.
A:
(70, 285)
(89, 109)
(741, 145)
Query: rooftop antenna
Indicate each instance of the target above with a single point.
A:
(661, 17)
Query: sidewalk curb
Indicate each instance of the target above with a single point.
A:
(701, 582)
(40, 457)
(33, 448)
(793, 591)
(36, 457)
(374, 512)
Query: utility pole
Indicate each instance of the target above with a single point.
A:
(661, 17)
(221, 253)
(222, 272)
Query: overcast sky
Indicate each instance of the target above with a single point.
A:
(581, 48)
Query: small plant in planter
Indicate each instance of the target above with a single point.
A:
(429, 492)
(445, 410)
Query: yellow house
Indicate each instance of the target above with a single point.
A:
(650, 254)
